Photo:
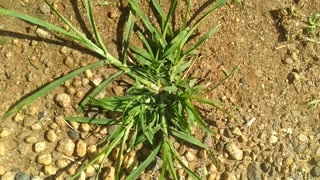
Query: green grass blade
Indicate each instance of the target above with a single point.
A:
(127, 34)
(187, 138)
(39, 22)
(201, 40)
(235, 70)
(94, 26)
(189, 171)
(92, 120)
(84, 40)
(196, 116)
(135, 174)
(28, 100)
(97, 90)
(146, 44)
(135, 7)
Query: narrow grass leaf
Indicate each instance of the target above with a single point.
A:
(201, 40)
(168, 18)
(92, 120)
(135, 7)
(94, 26)
(188, 138)
(189, 171)
(43, 91)
(235, 70)
(126, 38)
(105, 152)
(196, 116)
(137, 172)
(174, 44)
(146, 44)
(84, 40)
(98, 89)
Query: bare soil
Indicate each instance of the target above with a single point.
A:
(279, 75)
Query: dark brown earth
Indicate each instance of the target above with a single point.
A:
(277, 132)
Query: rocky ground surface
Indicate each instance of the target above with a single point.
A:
(277, 90)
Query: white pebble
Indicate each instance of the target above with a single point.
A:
(43, 33)
(66, 146)
(51, 136)
(18, 117)
(39, 146)
(85, 127)
(63, 100)
(88, 73)
(44, 159)
(97, 81)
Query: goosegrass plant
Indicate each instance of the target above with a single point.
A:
(158, 106)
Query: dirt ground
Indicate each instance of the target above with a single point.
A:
(277, 87)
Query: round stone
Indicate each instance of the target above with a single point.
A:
(50, 170)
(22, 176)
(31, 139)
(190, 156)
(63, 100)
(66, 146)
(39, 146)
(315, 171)
(62, 163)
(81, 148)
(51, 136)
(273, 139)
(303, 138)
(44, 8)
(44, 159)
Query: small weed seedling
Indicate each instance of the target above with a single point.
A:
(158, 105)
(313, 23)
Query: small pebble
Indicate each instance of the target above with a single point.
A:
(60, 121)
(18, 117)
(258, 73)
(315, 171)
(253, 172)
(273, 139)
(85, 127)
(237, 131)
(61, 163)
(109, 173)
(75, 125)
(22, 176)
(288, 61)
(81, 148)
(29, 121)
(202, 172)
(190, 156)
(88, 74)
(63, 100)
(234, 151)
(53, 126)
(7, 176)
(2, 149)
(43, 33)
(50, 170)
(74, 134)
(39, 146)
(44, 8)
(2, 169)
(64, 50)
(66, 146)
(97, 81)
(69, 62)
(51, 136)
(303, 138)
(130, 160)
(36, 126)
(92, 148)
(4, 133)
(44, 159)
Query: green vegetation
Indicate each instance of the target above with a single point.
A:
(158, 105)
(313, 23)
